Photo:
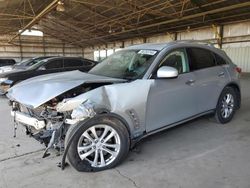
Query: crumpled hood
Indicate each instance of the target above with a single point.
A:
(39, 90)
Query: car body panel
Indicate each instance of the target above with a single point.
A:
(46, 87)
(169, 101)
(109, 97)
(209, 83)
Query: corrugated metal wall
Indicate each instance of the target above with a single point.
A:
(30, 46)
(240, 56)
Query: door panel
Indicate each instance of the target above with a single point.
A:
(210, 78)
(209, 82)
(170, 101)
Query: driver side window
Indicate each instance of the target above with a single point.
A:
(176, 59)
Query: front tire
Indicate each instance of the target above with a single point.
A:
(226, 105)
(100, 143)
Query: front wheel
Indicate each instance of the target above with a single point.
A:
(100, 143)
(226, 105)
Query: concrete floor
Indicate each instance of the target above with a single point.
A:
(197, 154)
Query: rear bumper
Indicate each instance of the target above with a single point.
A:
(28, 120)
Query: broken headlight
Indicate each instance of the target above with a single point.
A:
(83, 111)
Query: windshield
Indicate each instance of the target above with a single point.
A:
(30, 62)
(23, 63)
(125, 64)
(36, 65)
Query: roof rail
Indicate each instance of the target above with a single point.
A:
(197, 42)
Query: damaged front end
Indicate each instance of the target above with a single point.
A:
(45, 122)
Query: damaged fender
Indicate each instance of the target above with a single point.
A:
(116, 98)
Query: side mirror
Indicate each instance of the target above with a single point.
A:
(167, 72)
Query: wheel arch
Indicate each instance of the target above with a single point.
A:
(236, 87)
(105, 113)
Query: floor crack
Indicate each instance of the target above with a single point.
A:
(128, 178)
(17, 156)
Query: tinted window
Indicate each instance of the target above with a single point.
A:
(220, 60)
(200, 58)
(176, 59)
(54, 64)
(73, 63)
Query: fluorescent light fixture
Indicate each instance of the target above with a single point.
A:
(32, 33)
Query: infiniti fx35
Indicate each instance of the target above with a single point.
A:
(133, 93)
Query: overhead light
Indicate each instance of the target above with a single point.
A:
(30, 32)
(60, 6)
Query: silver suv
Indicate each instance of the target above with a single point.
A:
(134, 93)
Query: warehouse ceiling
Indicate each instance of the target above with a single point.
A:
(91, 22)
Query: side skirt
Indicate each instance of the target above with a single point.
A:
(146, 134)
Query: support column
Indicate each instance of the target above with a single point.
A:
(44, 51)
(63, 49)
(220, 37)
(21, 48)
(106, 49)
(175, 36)
(83, 52)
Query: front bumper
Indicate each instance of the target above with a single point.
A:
(28, 120)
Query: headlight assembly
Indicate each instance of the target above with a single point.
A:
(83, 111)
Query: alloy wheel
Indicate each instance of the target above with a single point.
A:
(99, 145)
(227, 105)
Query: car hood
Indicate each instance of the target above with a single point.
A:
(39, 90)
(5, 69)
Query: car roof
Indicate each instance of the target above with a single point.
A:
(161, 46)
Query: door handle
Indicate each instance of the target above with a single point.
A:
(190, 82)
(221, 74)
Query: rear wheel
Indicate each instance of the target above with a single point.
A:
(226, 105)
(100, 143)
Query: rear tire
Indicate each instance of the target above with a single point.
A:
(226, 106)
(100, 152)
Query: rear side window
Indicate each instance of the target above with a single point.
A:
(54, 64)
(220, 60)
(200, 58)
(73, 63)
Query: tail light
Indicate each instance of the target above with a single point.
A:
(238, 69)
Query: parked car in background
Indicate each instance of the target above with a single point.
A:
(45, 66)
(29, 62)
(6, 64)
(22, 65)
(133, 93)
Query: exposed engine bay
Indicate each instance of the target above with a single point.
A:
(45, 123)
